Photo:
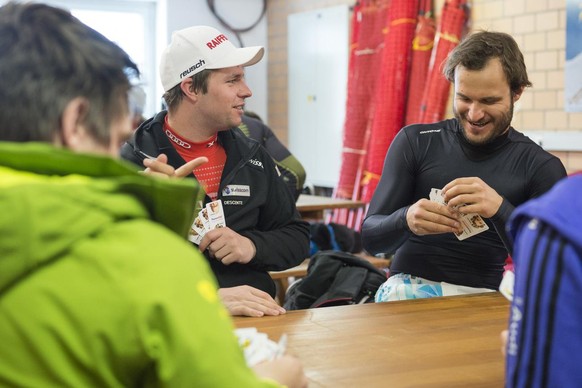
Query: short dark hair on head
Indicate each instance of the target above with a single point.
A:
(47, 58)
(475, 51)
(174, 96)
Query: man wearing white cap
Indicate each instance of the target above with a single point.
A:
(202, 73)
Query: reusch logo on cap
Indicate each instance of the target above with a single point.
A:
(192, 68)
(216, 41)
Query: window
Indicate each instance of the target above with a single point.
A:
(132, 25)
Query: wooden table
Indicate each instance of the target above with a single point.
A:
(437, 342)
(313, 207)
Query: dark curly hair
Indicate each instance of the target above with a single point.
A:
(475, 51)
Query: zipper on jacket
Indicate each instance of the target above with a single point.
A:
(238, 167)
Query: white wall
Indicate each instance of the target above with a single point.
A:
(318, 54)
(240, 14)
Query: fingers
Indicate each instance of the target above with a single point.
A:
(213, 241)
(462, 186)
(227, 246)
(159, 167)
(204, 243)
(456, 182)
(214, 238)
(253, 309)
(249, 301)
(267, 303)
(227, 259)
(462, 196)
(189, 167)
(153, 173)
(239, 310)
(428, 217)
(503, 336)
(286, 370)
(472, 195)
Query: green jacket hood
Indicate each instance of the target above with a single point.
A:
(53, 199)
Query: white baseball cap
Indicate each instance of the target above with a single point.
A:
(194, 49)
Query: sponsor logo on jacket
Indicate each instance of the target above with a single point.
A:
(232, 202)
(430, 131)
(256, 162)
(236, 190)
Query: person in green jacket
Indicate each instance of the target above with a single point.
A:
(98, 285)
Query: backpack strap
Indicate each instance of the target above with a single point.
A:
(334, 245)
(313, 248)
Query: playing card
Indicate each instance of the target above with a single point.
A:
(194, 236)
(215, 213)
(203, 216)
(472, 223)
(198, 225)
(436, 195)
(197, 230)
(257, 347)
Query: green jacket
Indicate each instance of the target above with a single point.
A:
(93, 292)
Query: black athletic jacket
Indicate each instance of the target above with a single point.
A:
(265, 213)
(425, 156)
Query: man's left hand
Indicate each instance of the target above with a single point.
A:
(227, 246)
(472, 195)
(249, 301)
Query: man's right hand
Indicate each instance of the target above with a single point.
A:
(159, 167)
(249, 301)
(429, 217)
(286, 370)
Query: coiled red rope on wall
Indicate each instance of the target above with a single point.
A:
(436, 94)
(392, 89)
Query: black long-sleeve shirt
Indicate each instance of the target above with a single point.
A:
(426, 156)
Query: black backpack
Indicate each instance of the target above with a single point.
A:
(335, 278)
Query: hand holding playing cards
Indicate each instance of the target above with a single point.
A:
(430, 217)
(286, 370)
(267, 358)
(227, 246)
(159, 167)
(249, 301)
(472, 195)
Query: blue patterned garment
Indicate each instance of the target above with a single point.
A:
(404, 286)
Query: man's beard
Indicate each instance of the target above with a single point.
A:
(499, 127)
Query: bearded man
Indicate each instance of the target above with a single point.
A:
(482, 166)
